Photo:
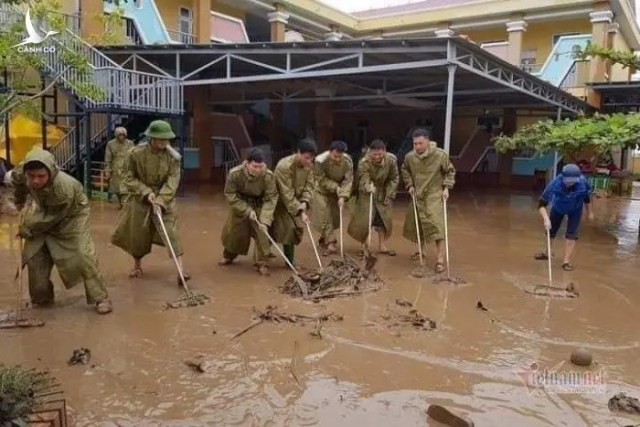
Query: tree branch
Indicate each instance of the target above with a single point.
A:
(53, 82)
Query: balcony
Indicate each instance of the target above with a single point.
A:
(180, 37)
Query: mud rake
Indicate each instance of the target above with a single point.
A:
(189, 299)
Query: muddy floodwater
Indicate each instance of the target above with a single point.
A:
(361, 372)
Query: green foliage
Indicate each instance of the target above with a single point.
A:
(19, 393)
(600, 133)
(23, 89)
(626, 58)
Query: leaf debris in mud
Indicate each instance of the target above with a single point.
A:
(413, 318)
(272, 314)
(80, 356)
(623, 402)
(569, 291)
(342, 277)
(22, 392)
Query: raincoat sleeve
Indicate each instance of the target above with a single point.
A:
(392, 183)
(132, 180)
(284, 180)
(108, 157)
(406, 174)
(238, 206)
(329, 185)
(269, 202)
(19, 185)
(43, 220)
(307, 191)
(448, 172)
(347, 181)
(170, 187)
(364, 176)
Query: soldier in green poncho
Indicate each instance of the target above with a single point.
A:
(428, 175)
(56, 231)
(114, 157)
(152, 177)
(294, 177)
(252, 195)
(378, 175)
(333, 174)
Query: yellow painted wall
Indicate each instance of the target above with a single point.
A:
(539, 35)
(487, 35)
(462, 129)
(617, 72)
(170, 12)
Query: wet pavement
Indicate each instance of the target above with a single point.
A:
(361, 373)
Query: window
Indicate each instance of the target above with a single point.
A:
(528, 60)
(185, 24)
(131, 32)
(556, 37)
(227, 29)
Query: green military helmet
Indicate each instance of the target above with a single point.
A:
(160, 129)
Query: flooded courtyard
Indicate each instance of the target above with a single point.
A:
(360, 372)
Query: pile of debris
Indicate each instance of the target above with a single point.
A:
(624, 403)
(413, 317)
(570, 291)
(272, 314)
(342, 277)
(22, 392)
(189, 299)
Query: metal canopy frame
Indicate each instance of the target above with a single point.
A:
(433, 71)
(619, 96)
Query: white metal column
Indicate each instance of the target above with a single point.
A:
(449, 112)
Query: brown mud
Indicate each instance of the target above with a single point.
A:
(360, 373)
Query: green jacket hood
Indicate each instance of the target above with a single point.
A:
(44, 157)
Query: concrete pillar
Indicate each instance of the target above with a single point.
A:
(444, 30)
(199, 100)
(278, 20)
(334, 35)
(600, 21)
(90, 19)
(203, 25)
(516, 30)
(505, 161)
(324, 125)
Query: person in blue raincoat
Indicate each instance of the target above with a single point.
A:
(568, 195)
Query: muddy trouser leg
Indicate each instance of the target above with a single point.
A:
(262, 247)
(40, 285)
(228, 255)
(289, 252)
(95, 289)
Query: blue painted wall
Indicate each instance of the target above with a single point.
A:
(527, 166)
(146, 18)
(191, 158)
(561, 58)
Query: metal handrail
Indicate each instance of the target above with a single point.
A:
(181, 37)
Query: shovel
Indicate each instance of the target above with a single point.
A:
(189, 298)
(418, 272)
(18, 321)
(296, 275)
(313, 243)
(452, 280)
(341, 242)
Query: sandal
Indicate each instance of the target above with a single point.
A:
(415, 256)
(225, 261)
(135, 273)
(541, 256)
(104, 307)
(567, 266)
(186, 276)
(439, 268)
(389, 252)
(263, 270)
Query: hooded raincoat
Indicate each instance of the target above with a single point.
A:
(115, 158)
(246, 193)
(295, 187)
(333, 180)
(149, 170)
(57, 233)
(429, 173)
(385, 178)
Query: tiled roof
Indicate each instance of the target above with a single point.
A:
(409, 7)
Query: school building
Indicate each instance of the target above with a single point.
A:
(231, 74)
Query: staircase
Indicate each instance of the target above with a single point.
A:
(561, 59)
(473, 151)
(121, 91)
